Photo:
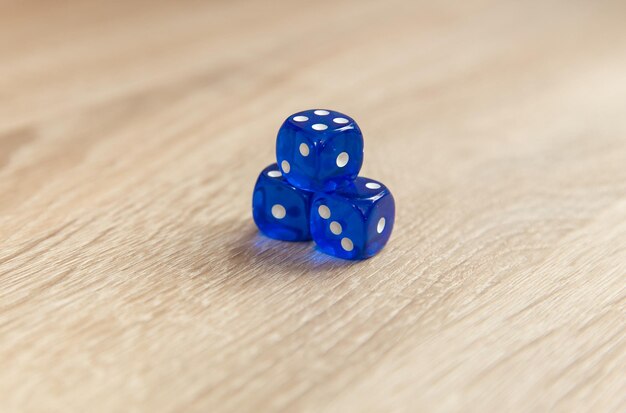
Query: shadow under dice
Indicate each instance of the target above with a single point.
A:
(354, 222)
(319, 150)
(280, 210)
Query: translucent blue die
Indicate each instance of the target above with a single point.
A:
(319, 150)
(354, 222)
(280, 210)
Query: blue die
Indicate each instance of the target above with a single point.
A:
(355, 221)
(280, 210)
(319, 150)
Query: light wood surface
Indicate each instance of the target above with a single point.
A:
(133, 279)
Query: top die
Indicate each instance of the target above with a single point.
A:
(319, 150)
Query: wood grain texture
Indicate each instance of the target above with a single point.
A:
(132, 277)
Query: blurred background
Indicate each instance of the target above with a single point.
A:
(132, 277)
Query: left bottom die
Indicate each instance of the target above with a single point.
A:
(280, 210)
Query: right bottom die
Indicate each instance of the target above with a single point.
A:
(355, 221)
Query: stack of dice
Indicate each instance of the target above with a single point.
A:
(314, 191)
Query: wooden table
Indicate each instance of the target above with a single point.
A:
(133, 279)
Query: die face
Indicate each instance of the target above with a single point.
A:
(341, 159)
(380, 222)
(280, 210)
(337, 226)
(319, 149)
(355, 222)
